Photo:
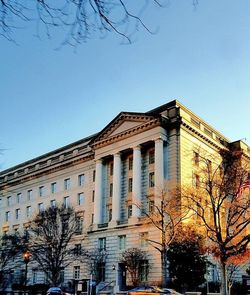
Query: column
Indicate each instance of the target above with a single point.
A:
(159, 169)
(98, 193)
(136, 188)
(116, 197)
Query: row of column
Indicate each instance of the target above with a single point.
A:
(137, 186)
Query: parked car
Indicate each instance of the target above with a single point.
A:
(54, 291)
(147, 290)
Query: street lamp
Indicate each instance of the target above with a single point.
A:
(26, 259)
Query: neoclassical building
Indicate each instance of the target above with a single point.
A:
(107, 177)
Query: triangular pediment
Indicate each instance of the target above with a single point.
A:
(123, 123)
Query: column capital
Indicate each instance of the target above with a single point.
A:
(137, 147)
(118, 154)
(98, 161)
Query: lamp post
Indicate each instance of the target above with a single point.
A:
(26, 259)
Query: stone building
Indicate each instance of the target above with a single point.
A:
(107, 177)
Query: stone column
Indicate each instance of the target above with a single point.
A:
(116, 197)
(136, 188)
(98, 193)
(159, 169)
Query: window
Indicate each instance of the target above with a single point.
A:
(130, 185)
(67, 183)
(18, 212)
(110, 190)
(28, 211)
(196, 158)
(76, 272)
(8, 200)
(196, 180)
(111, 169)
(78, 249)
(19, 198)
(102, 244)
(110, 214)
(151, 179)
(93, 196)
(129, 211)
(93, 177)
(122, 242)
(151, 157)
(66, 202)
(130, 163)
(29, 195)
(151, 206)
(209, 166)
(101, 271)
(53, 187)
(92, 218)
(79, 225)
(34, 276)
(80, 199)
(40, 207)
(41, 191)
(53, 203)
(144, 239)
(7, 216)
(144, 268)
(81, 180)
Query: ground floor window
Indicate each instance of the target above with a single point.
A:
(101, 271)
(144, 268)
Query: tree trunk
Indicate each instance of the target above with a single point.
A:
(223, 288)
(164, 268)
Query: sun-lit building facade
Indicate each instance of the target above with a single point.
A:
(107, 178)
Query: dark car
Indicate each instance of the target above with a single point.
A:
(148, 290)
(54, 291)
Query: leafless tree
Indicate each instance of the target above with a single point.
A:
(50, 237)
(133, 259)
(166, 215)
(220, 200)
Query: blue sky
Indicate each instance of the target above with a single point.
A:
(201, 57)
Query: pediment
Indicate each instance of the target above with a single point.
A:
(124, 123)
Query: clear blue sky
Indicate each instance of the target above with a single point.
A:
(201, 57)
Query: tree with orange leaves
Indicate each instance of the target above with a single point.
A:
(220, 201)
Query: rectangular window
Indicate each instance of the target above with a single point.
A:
(79, 225)
(67, 183)
(66, 202)
(144, 239)
(144, 268)
(76, 272)
(41, 191)
(34, 276)
(40, 207)
(93, 196)
(28, 211)
(111, 169)
(151, 157)
(18, 212)
(7, 216)
(196, 180)
(110, 190)
(102, 244)
(129, 211)
(151, 206)
(92, 218)
(80, 199)
(53, 203)
(110, 214)
(8, 200)
(209, 166)
(121, 242)
(53, 187)
(93, 177)
(78, 249)
(29, 195)
(19, 198)
(81, 180)
(196, 158)
(101, 271)
(151, 179)
(130, 163)
(130, 185)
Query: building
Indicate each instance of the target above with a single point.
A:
(104, 175)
